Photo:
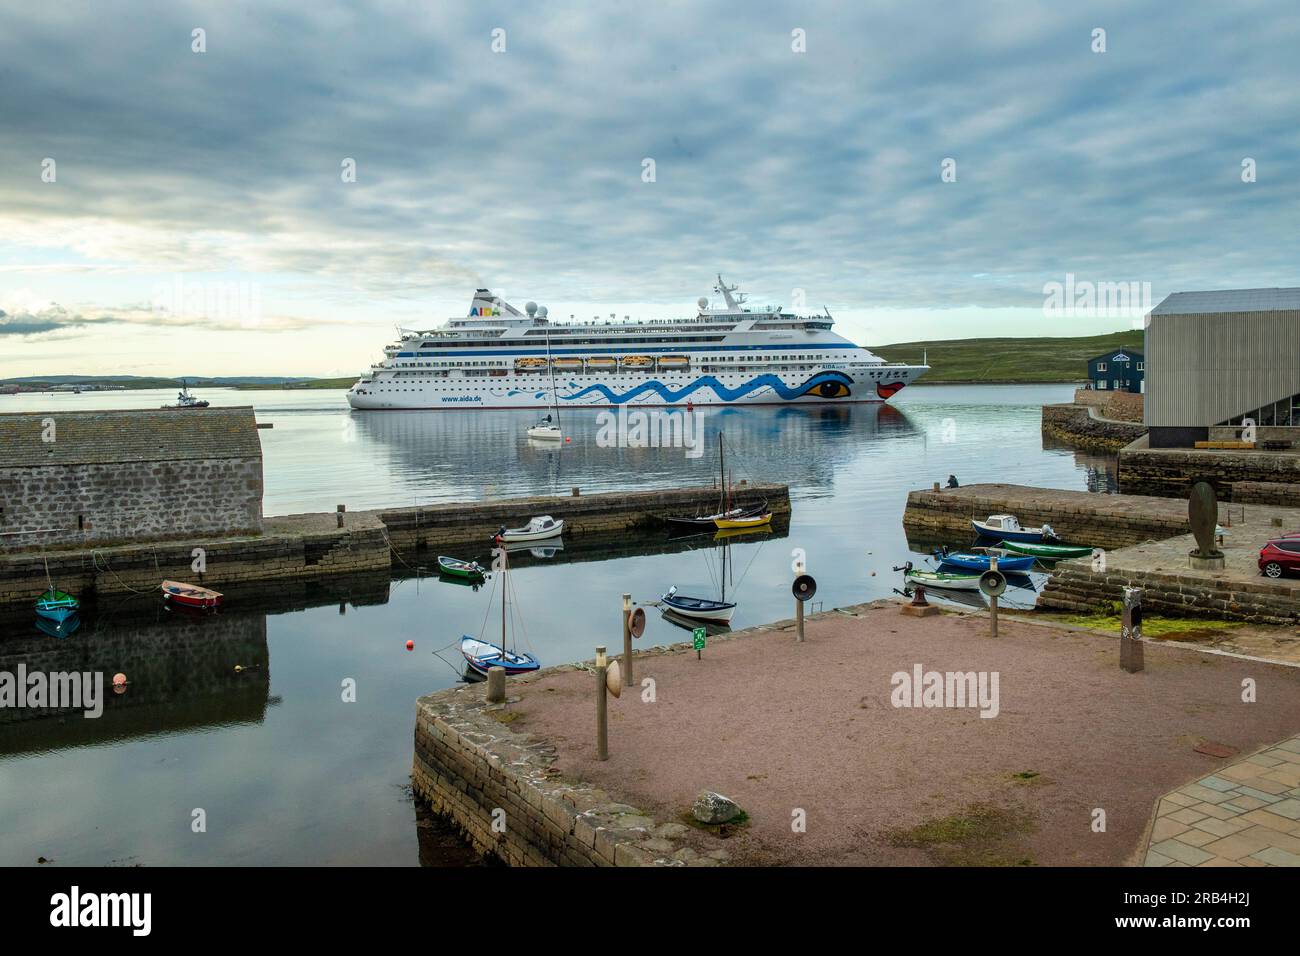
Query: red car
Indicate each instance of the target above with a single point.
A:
(1279, 556)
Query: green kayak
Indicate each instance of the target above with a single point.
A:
(1048, 552)
(456, 568)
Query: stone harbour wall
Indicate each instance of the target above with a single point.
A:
(1102, 521)
(1074, 586)
(294, 552)
(499, 789)
(434, 526)
(1171, 472)
(1266, 493)
(117, 502)
(312, 545)
(1081, 426)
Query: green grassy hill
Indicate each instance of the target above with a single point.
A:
(1016, 360)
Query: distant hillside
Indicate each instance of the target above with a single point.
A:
(1010, 360)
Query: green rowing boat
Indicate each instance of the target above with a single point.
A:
(456, 568)
(1048, 552)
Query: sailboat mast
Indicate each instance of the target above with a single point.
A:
(505, 566)
(722, 474)
(555, 398)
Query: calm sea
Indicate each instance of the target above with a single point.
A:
(272, 760)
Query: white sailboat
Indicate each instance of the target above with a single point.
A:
(546, 430)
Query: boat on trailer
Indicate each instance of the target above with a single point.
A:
(190, 595)
(1048, 552)
(1007, 528)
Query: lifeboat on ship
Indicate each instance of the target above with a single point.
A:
(674, 361)
(567, 364)
(530, 364)
(601, 362)
(638, 361)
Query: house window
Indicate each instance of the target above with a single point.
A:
(1101, 366)
(1101, 384)
(1142, 366)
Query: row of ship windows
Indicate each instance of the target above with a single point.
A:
(745, 359)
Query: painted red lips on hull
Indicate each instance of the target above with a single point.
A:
(888, 389)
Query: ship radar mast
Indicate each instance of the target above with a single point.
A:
(733, 302)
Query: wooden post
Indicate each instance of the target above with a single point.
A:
(1130, 635)
(993, 599)
(496, 685)
(602, 703)
(627, 640)
(798, 617)
(339, 512)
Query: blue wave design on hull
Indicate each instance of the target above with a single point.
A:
(674, 396)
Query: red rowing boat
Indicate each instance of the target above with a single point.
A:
(190, 595)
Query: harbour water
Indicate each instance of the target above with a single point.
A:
(288, 772)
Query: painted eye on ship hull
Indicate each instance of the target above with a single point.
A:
(831, 388)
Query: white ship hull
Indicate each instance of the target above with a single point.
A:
(531, 390)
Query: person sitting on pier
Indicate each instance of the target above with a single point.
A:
(952, 481)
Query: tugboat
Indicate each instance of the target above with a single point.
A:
(185, 400)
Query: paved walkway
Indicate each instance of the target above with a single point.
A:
(1247, 814)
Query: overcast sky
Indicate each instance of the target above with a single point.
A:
(180, 176)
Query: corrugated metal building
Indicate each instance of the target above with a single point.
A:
(1214, 358)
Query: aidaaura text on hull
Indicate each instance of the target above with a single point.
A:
(499, 357)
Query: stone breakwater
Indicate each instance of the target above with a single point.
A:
(1171, 472)
(1083, 427)
(1102, 521)
(314, 546)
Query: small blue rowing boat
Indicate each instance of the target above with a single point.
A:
(56, 606)
(482, 656)
(967, 561)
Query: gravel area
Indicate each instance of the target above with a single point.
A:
(781, 727)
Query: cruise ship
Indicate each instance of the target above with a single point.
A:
(727, 354)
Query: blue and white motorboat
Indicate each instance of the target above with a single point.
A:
(1007, 528)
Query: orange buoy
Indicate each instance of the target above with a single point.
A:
(119, 680)
(410, 645)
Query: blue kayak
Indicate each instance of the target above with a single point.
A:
(967, 561)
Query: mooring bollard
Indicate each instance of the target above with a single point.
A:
(602, 705)
(627, 638)
(1130, 634)
(339, 512)
(496, 685)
